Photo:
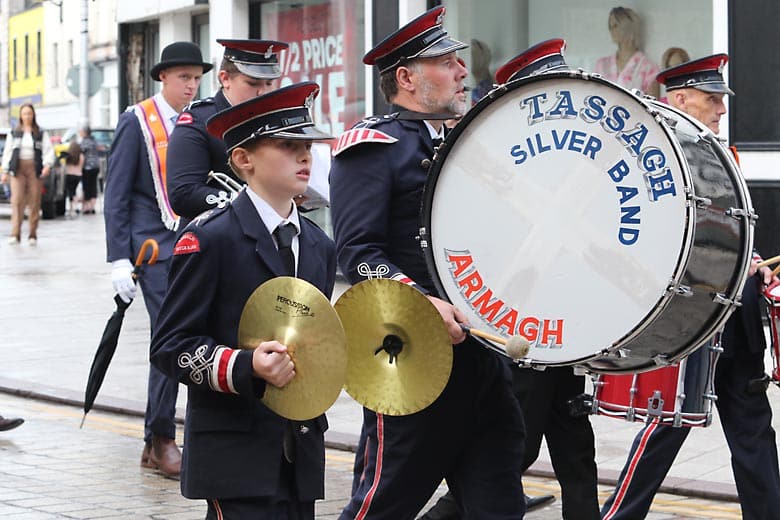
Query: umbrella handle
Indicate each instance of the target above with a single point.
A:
(139, 261)
(149, 242)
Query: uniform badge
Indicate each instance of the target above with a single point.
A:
(185, 118)
(187, 244)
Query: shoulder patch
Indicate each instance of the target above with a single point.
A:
(357, 136)
(199, 102)
(187, 244)
(185, 118)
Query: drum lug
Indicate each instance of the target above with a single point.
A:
(721, 298)
(661, 360)
(655, 405)
(701, 202)
(681, 290)
(739, 213)
(421, 238)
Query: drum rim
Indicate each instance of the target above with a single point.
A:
(454, 134)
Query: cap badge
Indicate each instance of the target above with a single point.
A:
(269, 51)
(310, 100)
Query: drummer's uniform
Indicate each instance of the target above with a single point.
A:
(193, 152)
(234, 446)
(740, 386)
(473, 433)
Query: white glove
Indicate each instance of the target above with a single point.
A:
(122, 278)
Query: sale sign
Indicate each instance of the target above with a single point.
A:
(324, 47)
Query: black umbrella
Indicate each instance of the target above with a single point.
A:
(108, 341)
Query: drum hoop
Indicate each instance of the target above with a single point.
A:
(439, 159)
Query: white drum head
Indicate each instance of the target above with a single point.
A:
(557, 211)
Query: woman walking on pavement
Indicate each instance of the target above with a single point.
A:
(28, 156)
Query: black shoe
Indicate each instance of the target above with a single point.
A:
(9, 424)
(532, 503)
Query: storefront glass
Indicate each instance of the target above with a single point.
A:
(326, 46)
(511, 26)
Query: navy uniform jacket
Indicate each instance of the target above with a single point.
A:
(744, 329)
(130, 205)
(192, 154)
(371, 228)
(233, 443)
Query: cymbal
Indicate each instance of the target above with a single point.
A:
(399, 353)
(295, 313)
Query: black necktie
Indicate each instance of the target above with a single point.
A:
(284, 235)
(437, 142)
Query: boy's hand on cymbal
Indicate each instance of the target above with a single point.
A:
(271, 361)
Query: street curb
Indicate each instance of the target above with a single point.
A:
(348, 441)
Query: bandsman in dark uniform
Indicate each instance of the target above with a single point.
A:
(249, 68)
(473, 434)
(697, 88)
(244, 459)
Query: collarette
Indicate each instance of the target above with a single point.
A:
(271, 219)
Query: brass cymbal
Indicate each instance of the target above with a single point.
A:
(399, 353)
(295, 313)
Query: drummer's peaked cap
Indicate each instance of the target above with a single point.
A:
(705, 74)
(284, 113)
(256, 58)
(423, 37)
(546, 55)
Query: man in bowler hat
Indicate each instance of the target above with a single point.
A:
(698, 88)
(136, 208)
(473, 433)
(249, 68)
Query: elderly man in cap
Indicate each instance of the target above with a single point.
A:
(136, 207)
(473, 433)
(697, 88)
(249, 68)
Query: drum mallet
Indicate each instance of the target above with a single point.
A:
(516, 346)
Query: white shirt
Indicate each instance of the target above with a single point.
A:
(169, 115)
(433, 132)
(272, 220)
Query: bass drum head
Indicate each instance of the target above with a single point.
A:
(556, 210)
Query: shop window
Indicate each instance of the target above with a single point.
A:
(326, 46)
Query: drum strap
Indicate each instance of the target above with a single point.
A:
(410, 115)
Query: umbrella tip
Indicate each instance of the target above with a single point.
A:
(84, 418)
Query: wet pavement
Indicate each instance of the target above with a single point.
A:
(56, 298)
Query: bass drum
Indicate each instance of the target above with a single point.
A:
(609, 231)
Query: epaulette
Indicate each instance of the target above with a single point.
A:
(364, 133)
(198, 102)
(206, 216)
(185, 118)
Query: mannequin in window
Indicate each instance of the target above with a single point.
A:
(629, 66)
(480, 70)
(672, 57)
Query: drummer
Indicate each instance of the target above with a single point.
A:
(698, 88)
(472, 435)
(245, 460)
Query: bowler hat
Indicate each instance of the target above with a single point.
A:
(284, 113)
(178, 54)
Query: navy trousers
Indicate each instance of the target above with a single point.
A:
(161, 390)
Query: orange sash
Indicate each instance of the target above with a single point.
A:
(156, 140)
